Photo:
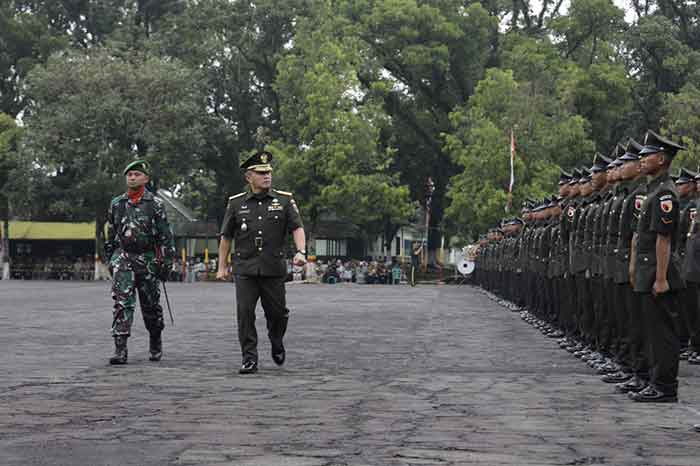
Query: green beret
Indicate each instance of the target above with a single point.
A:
(139, 165)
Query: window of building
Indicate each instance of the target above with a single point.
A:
(331, 247)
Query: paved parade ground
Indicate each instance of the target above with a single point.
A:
(375, 375)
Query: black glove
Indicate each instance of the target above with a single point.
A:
(163, 271)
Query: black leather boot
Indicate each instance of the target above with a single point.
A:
(155, 346)
(120, 352)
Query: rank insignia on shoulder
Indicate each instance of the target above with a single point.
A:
(666, 206)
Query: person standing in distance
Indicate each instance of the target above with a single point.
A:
(140, 250)
(258, 221)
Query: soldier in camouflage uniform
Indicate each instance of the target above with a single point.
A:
(140, 250)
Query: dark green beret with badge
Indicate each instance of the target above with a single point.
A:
(138, 165)
(259, 162)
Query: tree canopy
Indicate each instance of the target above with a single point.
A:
(360, 101)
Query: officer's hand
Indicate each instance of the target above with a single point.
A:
(223, 275)
(660, 287)
(299, 259)
(631, 275)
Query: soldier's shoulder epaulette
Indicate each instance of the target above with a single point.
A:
(284, 193)
(235, 196)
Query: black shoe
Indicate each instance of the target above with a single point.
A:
(249, 367)
(121, 354)
(694, 358)
(696, 427)
(608, 368)
(155, 347)
(633, 385)
(617, 377)
(279, 356)
(652, 395)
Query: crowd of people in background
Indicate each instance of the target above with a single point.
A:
(386, 271)
(53, 268)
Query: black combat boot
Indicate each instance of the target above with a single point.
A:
(155, 346)
(120, 351)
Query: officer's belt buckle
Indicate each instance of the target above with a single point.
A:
(258, 241)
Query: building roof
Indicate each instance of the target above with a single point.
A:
(51, 230)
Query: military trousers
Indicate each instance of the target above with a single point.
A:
(126, 283)
(637, 334)
(692, 313)
(568, 305)
(688, 310)
(584, 307)
(271, 293)
(661, 322)
(621, 312)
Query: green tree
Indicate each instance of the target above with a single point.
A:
(682, 122)
(237, 46)
(547, 136)
(424, 59)
(92, 113)
(331, 152)
(10, 136)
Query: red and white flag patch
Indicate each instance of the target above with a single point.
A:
(666, 206)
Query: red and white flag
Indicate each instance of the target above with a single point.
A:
(512, 170)
(512, 161)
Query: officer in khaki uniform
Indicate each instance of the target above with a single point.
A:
(258, 221)
(655, 270)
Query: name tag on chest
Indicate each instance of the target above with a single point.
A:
(274, 207)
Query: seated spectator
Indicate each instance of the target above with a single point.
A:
(331, 275)
(395, 274)
(361, 272)
(347, 273)
(200, 270)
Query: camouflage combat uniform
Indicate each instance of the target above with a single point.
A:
(138, 237)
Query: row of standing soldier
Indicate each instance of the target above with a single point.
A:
(610, 266)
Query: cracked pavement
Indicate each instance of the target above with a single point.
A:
(375, 375)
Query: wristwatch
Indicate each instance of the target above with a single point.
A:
(303, 252)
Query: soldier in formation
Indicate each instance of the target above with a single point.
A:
(610, 266)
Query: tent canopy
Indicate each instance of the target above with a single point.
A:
(20, 230)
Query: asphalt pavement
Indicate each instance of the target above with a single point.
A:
(375, 375)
